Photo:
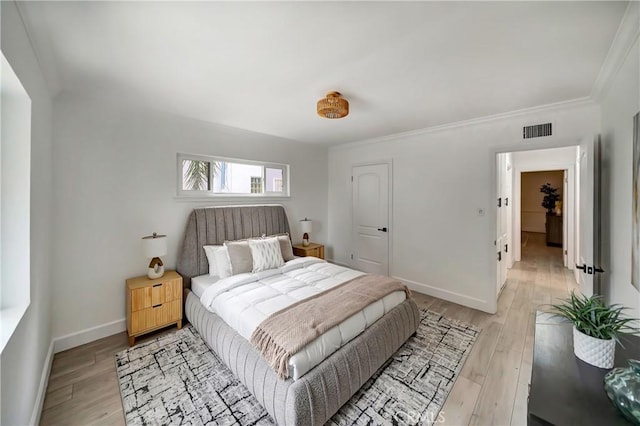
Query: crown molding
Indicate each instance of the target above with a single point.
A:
(626, 36)
(570, 104)
(43, 54)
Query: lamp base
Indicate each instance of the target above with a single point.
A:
(156, 269)
(305, 240)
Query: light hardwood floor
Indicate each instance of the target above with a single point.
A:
(491, 389)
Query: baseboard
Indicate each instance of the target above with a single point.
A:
(42, 388)
(81, 337)
(447, 295)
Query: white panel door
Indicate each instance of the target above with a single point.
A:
(501, 237)
(588, 217)
(371, 218)
(509, 209)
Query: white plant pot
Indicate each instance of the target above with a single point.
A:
(597, 352)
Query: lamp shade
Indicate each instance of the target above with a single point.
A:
(333, 106)
(305, 224)
(154, 245)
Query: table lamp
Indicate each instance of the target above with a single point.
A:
(155, 246)
(306, 229)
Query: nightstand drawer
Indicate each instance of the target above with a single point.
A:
(315, 252)
(313, 249)
(155, 316)
(146, 297)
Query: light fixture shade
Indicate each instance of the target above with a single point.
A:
(333, 106)
(306, 226)
(154, 245)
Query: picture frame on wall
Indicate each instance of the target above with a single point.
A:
(635, 230)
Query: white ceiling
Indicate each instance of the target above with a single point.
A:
(262, 66)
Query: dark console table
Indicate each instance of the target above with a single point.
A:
(565, 390)
(554, 230)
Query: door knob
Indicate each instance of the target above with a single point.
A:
(583, 267)
(382, 229)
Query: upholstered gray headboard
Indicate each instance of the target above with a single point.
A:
(215, 225)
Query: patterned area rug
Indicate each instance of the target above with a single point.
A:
(177, 379)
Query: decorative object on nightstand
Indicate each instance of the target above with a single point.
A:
(155, 246)
(153, 304)
(623, 389)
(306, 224)
(313, 249)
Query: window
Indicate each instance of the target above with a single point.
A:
(195, 175)
(15, 174)
(205, 176)
(256, 184)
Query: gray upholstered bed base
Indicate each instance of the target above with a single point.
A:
(317, 395)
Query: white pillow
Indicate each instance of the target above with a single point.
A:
(223, 264)
(209, 251)
(266, 254)
(219, 263)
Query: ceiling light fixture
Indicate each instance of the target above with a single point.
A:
(333, 106)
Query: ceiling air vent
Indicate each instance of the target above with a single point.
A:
(536, 131)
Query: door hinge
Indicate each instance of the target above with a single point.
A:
(499, 256)
(566, 252)
(506, 248)
(500, 202)
(506, 202)
(351, 256)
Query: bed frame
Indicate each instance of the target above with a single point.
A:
(316, 396)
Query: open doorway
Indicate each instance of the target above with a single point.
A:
(543, 226)
(527, 231)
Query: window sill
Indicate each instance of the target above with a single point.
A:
(244, 199)
(9, 320)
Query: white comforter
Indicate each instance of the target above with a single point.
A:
(243, 301)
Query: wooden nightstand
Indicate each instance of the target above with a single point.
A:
(153, 304)
(313, 249)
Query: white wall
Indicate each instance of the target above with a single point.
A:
(533, 215)
(620, 103)
(440, 245)
(115, 181)
(24, 361)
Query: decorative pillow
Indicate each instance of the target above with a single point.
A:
(223, 265)
(266, 254)
(209, 251)
(239, 256)
(218, 259)
(285, 247)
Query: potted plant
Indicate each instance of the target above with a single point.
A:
(596, 327)
(549, 200)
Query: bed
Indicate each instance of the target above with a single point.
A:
(315, 395)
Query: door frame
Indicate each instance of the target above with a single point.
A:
(492, 211)
(568, 209)
(390, 225)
